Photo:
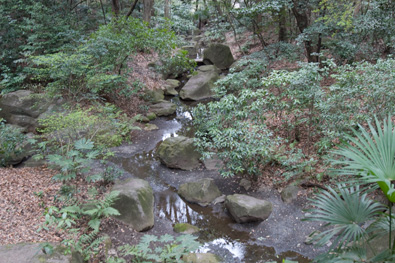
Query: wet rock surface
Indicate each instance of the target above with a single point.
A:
(179, 152)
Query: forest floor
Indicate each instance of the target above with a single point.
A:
(24, 195)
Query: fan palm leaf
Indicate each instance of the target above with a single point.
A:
(371, 155)
(345, 212)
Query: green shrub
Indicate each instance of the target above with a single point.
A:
(104, 125)
(80, 239)
(30, 27)
(98, 66)
(11, 139)
(176, 64)
(166, 249)
(361, 91)
(234, 128)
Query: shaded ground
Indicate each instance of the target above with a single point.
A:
(24, 194)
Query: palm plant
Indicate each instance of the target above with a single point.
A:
(371, 156)
(345, 212)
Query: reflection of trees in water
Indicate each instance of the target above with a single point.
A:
(172, 207)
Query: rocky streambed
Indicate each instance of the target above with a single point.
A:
(281, 236)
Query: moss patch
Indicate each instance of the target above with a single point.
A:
(185, 228)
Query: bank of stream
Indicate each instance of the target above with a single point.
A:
(279, 237)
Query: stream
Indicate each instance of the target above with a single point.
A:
(279, 237)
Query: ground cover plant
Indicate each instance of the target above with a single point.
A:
(290, 108)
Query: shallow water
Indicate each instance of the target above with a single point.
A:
(219, 234)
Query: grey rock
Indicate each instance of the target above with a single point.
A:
(202, 192)
(150, 127)
(179, 152)
(218, 55)
(135, 203)
(170, 87)
(23, 107)
(192, 51)
(245, 183)
(244, 208)
(33, 253)
(155, 96)
(290, 193)
(201, 258)
(163, 108)
(200, 86)
(219, 199)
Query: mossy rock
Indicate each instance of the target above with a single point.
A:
(179, 152)
(135, 203)
(202, 192)
(151, 116)
(185, 228)
(201, 258)
(154, 96)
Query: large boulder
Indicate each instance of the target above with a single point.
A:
(244, 208)
(33, 253)
(135, 203)
(23, 107)
(219, 55)
(179, 152)
(202, 192)
(163, 108)
(200, 86)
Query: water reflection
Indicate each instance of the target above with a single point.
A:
(168, 135)
(237, 249)
(171, 206)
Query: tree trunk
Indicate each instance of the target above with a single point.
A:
(148, 5)
(132, 8)
(282, 20)
(115, 7)
(167, 9)
(218, 7)
(302, 17)
(104, 14)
